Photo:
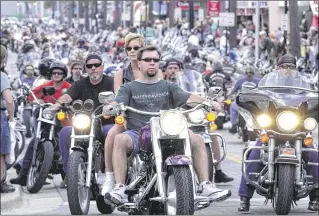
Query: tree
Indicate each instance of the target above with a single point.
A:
(233, 30)
(294, 36)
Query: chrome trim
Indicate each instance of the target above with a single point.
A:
(298, 147)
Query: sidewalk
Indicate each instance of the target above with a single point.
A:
(10, 201)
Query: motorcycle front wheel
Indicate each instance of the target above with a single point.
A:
(285, 188)
(78, 193)
(27, 116)
(39, 173)
(179, 190)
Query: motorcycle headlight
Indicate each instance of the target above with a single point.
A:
(264, 120)
(197, 116)
(310, 124)
(47, 114)
(287, 121)
(172, 123)
(81, 121)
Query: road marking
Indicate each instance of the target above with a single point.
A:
(234, 158)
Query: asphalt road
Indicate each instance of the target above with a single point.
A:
(52, 200)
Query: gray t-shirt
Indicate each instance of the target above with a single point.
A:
(149, 97)
(5, 84)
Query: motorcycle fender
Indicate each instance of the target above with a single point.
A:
(287, 156)
(181, 160)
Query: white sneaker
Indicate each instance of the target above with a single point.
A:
(207, 189)
(117, 196)
(108, 184)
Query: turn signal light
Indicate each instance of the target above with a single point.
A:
(308, 141)
(106, 117)
(228, 101)
(213, 127)
(61, 116)
(264, 138)
(210, 116)
(119, 120)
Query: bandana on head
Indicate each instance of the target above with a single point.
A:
(92, 56)
(173, 63)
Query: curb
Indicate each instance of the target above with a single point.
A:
(10, 201)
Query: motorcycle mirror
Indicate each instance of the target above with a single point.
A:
(106, 97)
(48, 91)
(212, 91)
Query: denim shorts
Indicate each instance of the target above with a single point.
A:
(5, 142)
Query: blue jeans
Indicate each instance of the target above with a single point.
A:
(233, 112)
(65, 142)
(246, 190)
(5, 141)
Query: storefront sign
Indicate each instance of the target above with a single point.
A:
(184, 5)
(251, 4)
(213, 8)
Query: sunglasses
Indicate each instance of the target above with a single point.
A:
(96, 65)
(287, 67)
(151, 59)
(57, 73)
(136, 48)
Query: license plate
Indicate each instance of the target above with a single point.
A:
(287, 151)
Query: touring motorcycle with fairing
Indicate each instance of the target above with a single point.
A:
(283, 110)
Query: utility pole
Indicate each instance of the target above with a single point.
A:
(294, 39)
(150, 10)
(257, 33)
(233, 30)
(171, 10)
(117, 18)
(86, 12)
(104, 5)
(285, 32)
(96, 16)
(70, 13)
(191, 14)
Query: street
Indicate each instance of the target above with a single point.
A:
(52, 200)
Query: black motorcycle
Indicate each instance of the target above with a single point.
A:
(46, 154)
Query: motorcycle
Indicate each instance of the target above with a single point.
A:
(190, 81)
(46, 153)
(86, 162)
(284, 111)
(161, 178)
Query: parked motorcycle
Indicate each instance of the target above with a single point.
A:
(86, 162)
(284, 111)
(161, 178)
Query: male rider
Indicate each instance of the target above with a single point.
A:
(58, 71)
(151, 94)
(83, 89)
(286, 67)
(248, 79)
(174, 66)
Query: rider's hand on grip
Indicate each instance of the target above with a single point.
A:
(107, 109)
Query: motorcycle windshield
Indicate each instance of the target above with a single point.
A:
(285, 79)
(191, 81)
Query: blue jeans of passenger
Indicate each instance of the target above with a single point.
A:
(247, 190)
(233, 112)
(28, 153)
(65, 142)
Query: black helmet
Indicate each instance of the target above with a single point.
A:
(218, 66)
(27, 47)
(59, 65)
(287, 59)
(44, 67)
(162, 65)
(174, 61)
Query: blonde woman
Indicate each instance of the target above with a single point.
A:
(133, 42)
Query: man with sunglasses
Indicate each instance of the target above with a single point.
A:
(152, 94)
(248, 79)
(86, 88)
